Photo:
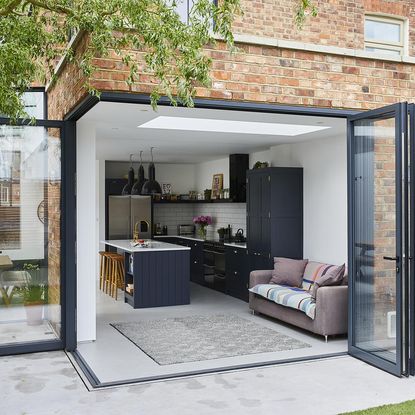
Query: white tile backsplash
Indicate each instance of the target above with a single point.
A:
(233, 214)
(173, 215)
(222, 214)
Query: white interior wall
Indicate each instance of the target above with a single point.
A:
(325, 193)
(86, 228)
(180, 176)
(206, 170)
(101, 204)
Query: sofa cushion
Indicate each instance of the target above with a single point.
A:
(287, 296)
(333, 276)
(288, 271)
(312, 272)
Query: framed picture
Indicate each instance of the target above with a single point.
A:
(166, 188)
(217, 185)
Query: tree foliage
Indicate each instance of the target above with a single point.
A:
(34, 36)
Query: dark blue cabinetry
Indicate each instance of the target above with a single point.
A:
(274, 215)
(196, 255)
(237, 272)
(160, 278)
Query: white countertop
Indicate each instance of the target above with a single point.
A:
(241, 245)
(128, 246)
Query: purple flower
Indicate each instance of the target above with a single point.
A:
(203, 220)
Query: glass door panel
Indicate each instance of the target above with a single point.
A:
(30, 235)
(376, 247)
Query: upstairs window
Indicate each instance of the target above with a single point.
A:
(384, 35)
(184, 7)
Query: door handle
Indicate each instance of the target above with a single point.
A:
(391, 258)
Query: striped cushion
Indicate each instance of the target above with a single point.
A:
(287, 296)
(312, 271)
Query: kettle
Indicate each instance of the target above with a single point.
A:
(239, 236)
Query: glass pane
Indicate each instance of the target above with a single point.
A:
(382, 31)
(383, 51)
(182, 9)
(30, 220)
(375, 237)
(34, 104)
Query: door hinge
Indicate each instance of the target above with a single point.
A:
(269, 215)
(269, 178)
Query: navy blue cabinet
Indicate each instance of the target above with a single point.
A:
(274, 215)
(196, 256)
(237, 272)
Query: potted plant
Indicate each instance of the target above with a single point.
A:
(203, 222)
(34, 294)
(221, 232)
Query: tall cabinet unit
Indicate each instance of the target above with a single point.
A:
(274, 215)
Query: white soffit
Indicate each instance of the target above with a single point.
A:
(229, 126)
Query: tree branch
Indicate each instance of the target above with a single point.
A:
(10, 7)
(52, 8)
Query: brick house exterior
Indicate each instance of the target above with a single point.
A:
(322, 65)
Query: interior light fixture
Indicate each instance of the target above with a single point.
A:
(229, 126)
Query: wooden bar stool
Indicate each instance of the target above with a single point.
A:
(117, 274)
(104, 270)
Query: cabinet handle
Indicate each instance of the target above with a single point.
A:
(236, 272)
(195, 262)
(235, 251)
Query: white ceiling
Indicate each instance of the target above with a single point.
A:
(118, 134)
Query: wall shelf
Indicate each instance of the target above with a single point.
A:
(194, 201)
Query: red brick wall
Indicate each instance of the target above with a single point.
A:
(339, 22)
(280, 75)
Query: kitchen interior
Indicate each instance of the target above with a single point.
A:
(168, 216)
(189, 202)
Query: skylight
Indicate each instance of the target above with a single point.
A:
(229, 126)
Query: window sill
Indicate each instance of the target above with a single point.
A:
(310, 47)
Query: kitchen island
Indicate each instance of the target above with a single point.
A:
(159, 273)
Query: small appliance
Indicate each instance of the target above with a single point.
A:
(186, 230)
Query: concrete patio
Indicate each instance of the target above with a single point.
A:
(47, 383)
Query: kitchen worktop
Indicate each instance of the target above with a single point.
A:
(127, 246)
(209, 238)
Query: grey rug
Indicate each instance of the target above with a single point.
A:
(197, 338)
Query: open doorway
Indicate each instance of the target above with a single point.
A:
(122, 343)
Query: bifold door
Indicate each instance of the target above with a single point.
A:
(33, 294)
(378, 237)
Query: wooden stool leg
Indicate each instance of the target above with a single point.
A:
(114, 279)
(121, 282)
(105, 272)
(108, 276)
(101, 270)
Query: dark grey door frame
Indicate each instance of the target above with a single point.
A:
(68, 229)
(129, 98)
(400, 112)
(411, 239)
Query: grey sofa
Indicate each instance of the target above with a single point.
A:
(331, 308)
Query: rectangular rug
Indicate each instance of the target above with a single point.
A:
(192, 339)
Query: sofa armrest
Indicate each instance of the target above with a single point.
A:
(331, 310)
(259, 277)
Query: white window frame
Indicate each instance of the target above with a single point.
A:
(4, 195)
(400, 47)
